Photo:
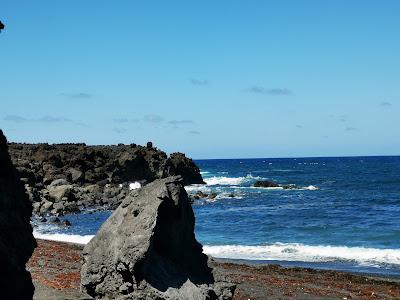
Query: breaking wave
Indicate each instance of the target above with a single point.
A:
(222, 180)
(62, 237)
(306, 253)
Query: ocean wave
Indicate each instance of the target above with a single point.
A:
(294, 188)
(307, 253)
(311, 188)
(225, 195)
(197, 188)
(62, 237)
(222, 180)
(275, 252)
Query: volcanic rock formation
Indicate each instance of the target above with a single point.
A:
(63, 178)
(147, 250)
(16, 239)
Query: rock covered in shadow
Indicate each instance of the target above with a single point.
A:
(147, 250)
(16, 239)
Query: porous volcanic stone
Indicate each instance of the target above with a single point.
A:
(147, 250)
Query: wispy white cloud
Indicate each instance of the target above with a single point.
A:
(255, 89)
(386, 104)
(180, 122)
(15, 118)
(80, 95)
(194, 132)
(121, 120)
(44, 119)
(153, 119)
(197, 81)
(120, 130)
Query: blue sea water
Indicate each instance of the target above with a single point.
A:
(344, 213)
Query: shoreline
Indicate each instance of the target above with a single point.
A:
(342, 266)
(55, 268)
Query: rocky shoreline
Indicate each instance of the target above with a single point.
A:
(55, 269)
(147, 248)
(66, 178)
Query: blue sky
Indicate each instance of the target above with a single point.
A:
(214, 79)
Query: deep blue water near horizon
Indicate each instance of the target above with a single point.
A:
(356, 201)
(343, 212)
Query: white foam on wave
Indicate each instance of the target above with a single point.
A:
(277, 251)
(204, 172)
(134, 185)
(311, 188)
(225, 195)
(62, 237)
(197, 187)
(222, 180)
(307, 253)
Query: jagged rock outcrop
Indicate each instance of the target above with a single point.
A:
(179, 164)
(147, 250)
(16, 239)
(43, 168)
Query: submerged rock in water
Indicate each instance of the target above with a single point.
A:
(16, 239)
(147, 250)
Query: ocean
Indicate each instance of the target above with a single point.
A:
(342, 213)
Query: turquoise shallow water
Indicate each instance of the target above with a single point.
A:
(344, 212)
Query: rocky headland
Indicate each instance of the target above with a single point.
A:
(16, 239)
(66, 178)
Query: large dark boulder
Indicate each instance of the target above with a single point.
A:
(147, 250)
(16, 240)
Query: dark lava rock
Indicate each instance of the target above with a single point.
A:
(79, 163)
(212, 196)
(66, 223)
(179, 164)
(16, 240)
(265, 184)
(147, 250)
(54, 220)
(56, 174)
(200, 194)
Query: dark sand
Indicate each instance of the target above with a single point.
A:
(55, 269)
